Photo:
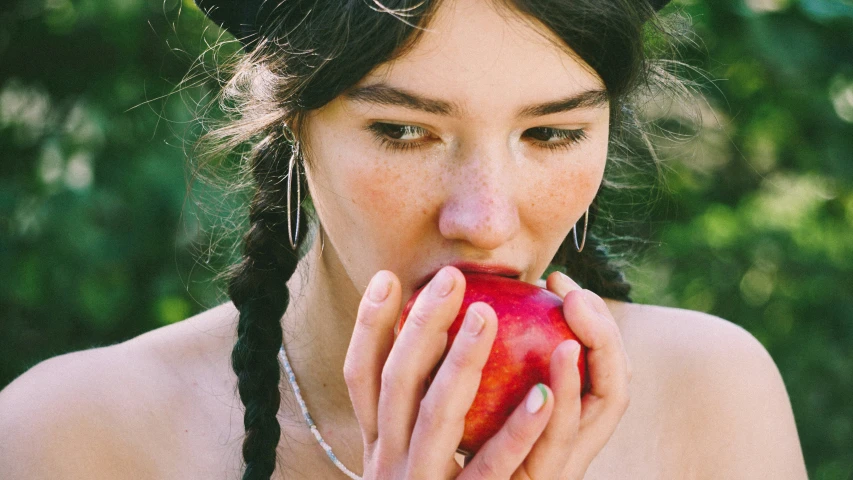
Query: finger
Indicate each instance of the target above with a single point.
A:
(601, 307)
(441, 418)
(548, 457)
(607, 362)
(372, 338)
(502, 454)
(600, 334)
(416, 351)
(597, 303)
(561, 284)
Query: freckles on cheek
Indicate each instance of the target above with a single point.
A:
(561, 198)
(383, 193)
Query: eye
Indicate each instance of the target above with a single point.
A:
(555, 138)
(400, 132)
(399, 137)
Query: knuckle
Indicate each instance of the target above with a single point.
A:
(486, 468)
(389, 378)
(352, 374)
(431, 414)
(596, 301)
(612, 332)
(517, 437)
(456, 361)
(566, 434)
(368, 317)
(418, 317)
(607, 334)
(575, 298)
(620, 402)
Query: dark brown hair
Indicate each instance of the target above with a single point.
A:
(306, 53)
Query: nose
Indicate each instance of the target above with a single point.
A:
(481, 206)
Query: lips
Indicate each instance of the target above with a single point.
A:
(472, 267)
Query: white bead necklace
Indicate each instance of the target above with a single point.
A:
(291, 378)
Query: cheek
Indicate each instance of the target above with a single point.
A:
(372, 191)
(361, 196)
(564, 194)
(385, 195)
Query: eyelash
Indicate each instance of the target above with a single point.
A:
(380, 132)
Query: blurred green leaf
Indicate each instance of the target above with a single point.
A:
(99, 242)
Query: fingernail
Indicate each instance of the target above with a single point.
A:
(567, 280)
(474, 322)
(536, 398)
(379, 287)
(576, 352)
(574, 347)
(442, 284)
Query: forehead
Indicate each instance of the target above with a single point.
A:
(487, 58)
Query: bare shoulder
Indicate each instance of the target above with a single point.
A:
(721, 388)
(685, 335)
(60, 418)
(96, 413)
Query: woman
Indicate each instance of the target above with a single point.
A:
(434, 140)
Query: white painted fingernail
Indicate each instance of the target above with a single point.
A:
(536, 398)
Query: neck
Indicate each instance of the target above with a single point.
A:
(317, 328)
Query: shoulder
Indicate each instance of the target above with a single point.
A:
(59, 418)
(84, 414)
(721, 388)
(699, 341)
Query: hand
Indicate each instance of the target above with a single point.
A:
(580, 427)
(411, 431)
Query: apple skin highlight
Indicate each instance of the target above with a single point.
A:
(530, 327)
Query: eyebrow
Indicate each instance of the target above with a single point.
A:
(587, 99)
(384, 94)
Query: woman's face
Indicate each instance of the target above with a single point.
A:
(480, 147)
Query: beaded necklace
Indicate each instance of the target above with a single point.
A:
(291, 378)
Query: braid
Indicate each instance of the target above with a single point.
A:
(594, 268)
(258, 288)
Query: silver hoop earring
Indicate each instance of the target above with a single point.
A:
(293, 170)
(288, 134)
(575, 231)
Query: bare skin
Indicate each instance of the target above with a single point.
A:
(163, 406)
(488, 181)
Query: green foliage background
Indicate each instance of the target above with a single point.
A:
(98, 242)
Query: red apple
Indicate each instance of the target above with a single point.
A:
(530, 326)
